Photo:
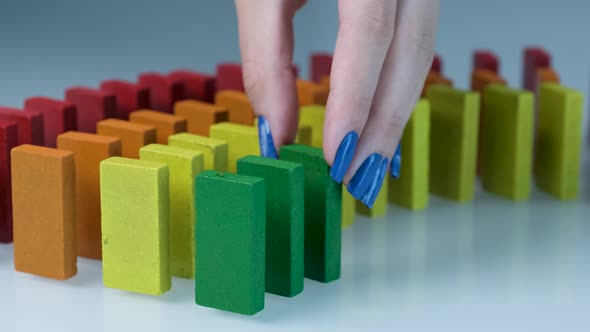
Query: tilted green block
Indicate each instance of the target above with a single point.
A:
(135, 212)
(411, 189)
(214, 150)
(230, 239)
(348, 208)
(284, 221)
(323, 199)
(454, 120)
(507, 141)
(183, 166)
(559, 140)
(313, 116)
(380, 206)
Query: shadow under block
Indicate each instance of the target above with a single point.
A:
(311, 93)
(214, 150)
(380, 206)
(91, 106)
(313, 116)
(200, 116)
(197, 86)
(507, 139)
(323, 208)
(241, 141)
(348, 208)
(239, 107)
(44, 212)
(284, 221)
(130, 97)
(8, 140)
(29, 125)
(58, 117)
(89, 150)
(135, 241)
(133, 136)
(411, 189)
(183, 166)
(230, 242)
(165, 124)
(454, 123)
(559, 141)
(163, 91)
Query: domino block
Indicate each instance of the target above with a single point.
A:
(310, 93)
(215, 151)
(454, 119)
(43, 194)
(183, 166)
(437, 64)
(133, 136)
(92, 106)
(313, 116)
(559, 140)
(534, 58)
(228, 76)
(487, 60)
(130, 97)
(239, 107)
(58, 117)
(135, 226)
(200, 116)
(89, 150)
(348, 208)
(197, 86)
(546, 75)
(163, 91)
(433, 78)
(320, 66)
(304, 134)
(323, 208)
(284, 221)
(29, 125)
(380, 206)
(325, 82)
(410, 190)
(241, 140)
(8, 140)
(230, 242)
(165, 124)
(507, 139)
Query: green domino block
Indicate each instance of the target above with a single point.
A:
(214, 150)
(454, 120)
(284, 221)
(323, 199)
(411, 189)
(135, 212)
(507, 141)
(559, 140)
(230, 239)
(183, 166)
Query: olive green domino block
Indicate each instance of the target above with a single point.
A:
(183, 166)
(348, 208)
(507, 142)
(135, 212)
(242, 141)
(380, 206)
(230, 239)
(214, 150)
(284, 221)
(313, 116)
(410, 190)
(559, 141)
(323, 208)
(454, 120)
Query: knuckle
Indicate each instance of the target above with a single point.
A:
(252, 76)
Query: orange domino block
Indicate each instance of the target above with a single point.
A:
(435, 78)
(165, 124)
(89, 150)
(43, 195)
(238, 105)
(311, 93)
(325, 82)
(546, 75)
(133, 136)
(200, 116)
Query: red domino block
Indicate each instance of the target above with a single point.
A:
(437, 64)
(164, 92)
(228, 76)
(58, 117)
(295, 70)
(320, 66)
(130, 97)
(487, 60)
(8, 140)
(92, 106)
(197, 86)
(533, 58)
(29, 125)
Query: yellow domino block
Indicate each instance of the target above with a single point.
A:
(380, 206)
(313, 116)
(214, 151)
(241, 140)
(348, 208)
(304, 135)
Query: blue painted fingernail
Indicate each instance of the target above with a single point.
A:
(267, 145)
(344, 156)
(364, 176)
(396, 162)
(373, 191)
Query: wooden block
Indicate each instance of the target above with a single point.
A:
(92, 106)
(487, 60)
(228, 76)
(29, 125)
(437, 64)
(165, 124)
(325, 82)
(320, 66)
(197, 86)
(546, 75)
(43, 194)
(323, 208)
(348, 208)
(507, 139)
(200, 115)
(8, 140)
(133, 136)
(310, 93)
(533, 58)
(241, 140)
(130, 97)
(183, 166)
(135, 226)
(559, 140)
(239, 107)
(304, 134)
(433, 79)
(230, 242)
(164, 92)
(58, 117)
(215, 151)
(454, 119)
(411, 189)
(313, 116)
(380, 206)
(89, 150)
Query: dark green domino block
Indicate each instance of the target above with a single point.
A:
(284, 221)
(323, 208)
(230, 245)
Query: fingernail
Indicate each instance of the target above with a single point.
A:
(267, 145)
(344, 156)
(364, 176)
(373, 191)
(396, 162)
